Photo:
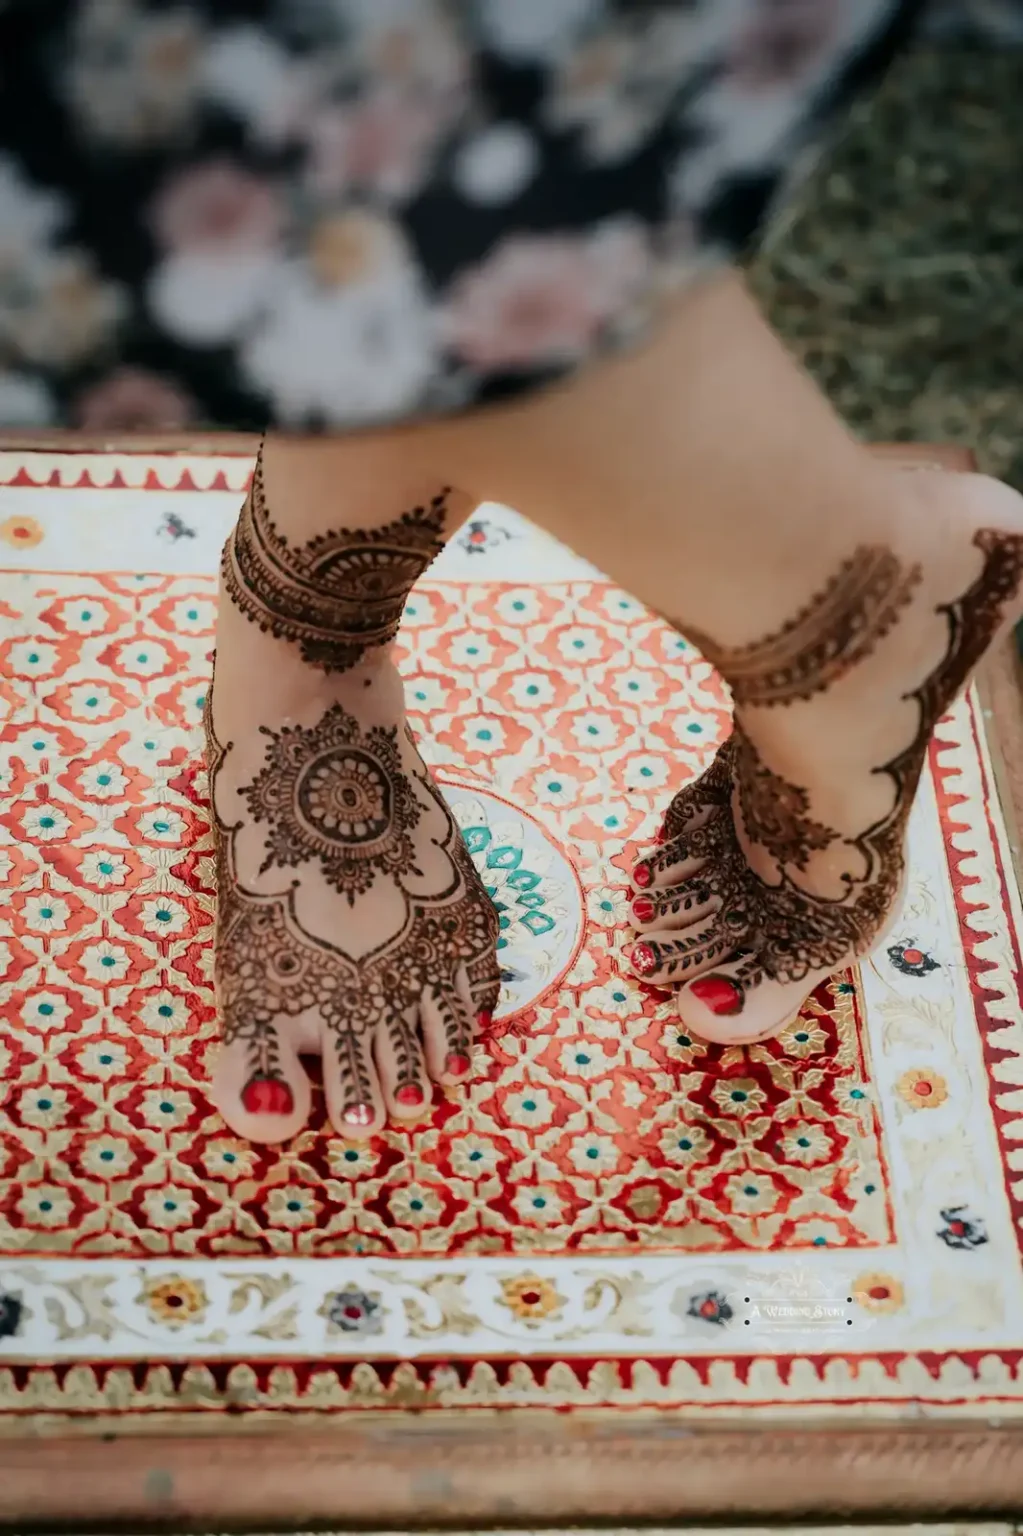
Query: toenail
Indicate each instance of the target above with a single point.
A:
(484, 1018)
(642, 959)
(642, 874)
(719, 993)
(409, 1093)
(457, 1065)
(358, 1114)
(267, 1096)
(643, 908)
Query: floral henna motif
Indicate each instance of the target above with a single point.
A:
(837, 629)
(775, 813)
(337, 595)
(337, 794)
(782, 930)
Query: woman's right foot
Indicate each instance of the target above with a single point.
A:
(351, 922)
(784, 862)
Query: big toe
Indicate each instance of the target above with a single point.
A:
(266, 1100)
(736, 1004)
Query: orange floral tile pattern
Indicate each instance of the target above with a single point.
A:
(593, 1121)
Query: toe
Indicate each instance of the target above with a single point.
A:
(259, 1084)
(402, 1066)
(355, 1100)
(676, 906)
(449, 1026)
(734, 1003)
(680, 858)
(666, 960)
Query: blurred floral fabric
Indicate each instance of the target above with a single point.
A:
(332, 213)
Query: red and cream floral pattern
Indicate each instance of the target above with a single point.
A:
(593, 1119)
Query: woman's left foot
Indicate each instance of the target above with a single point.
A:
(784, 862)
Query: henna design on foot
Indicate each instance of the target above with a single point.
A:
(775, 813)
(339, 795)
(272, 969)
(339, 594)
(837, 629)
(786, 931)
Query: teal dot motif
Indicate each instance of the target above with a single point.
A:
(32, 658)
(532, 689)
(484, 735)
(46, 1008)
(103, 778)
(165, 1010)
(46, 913)
(105, 867)
(106, 1155)
(47, 821)
(351, 1156)
(695, 729)
(593, 1153)
(532, 886)
(518, 605)
(539, 1202)
(529, 1105)
(108, 961)
(647, 773)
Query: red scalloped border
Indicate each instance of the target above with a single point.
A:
(22, 480)
(987, 1026)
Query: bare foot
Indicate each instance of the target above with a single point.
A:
(784, 862)
(351, 923)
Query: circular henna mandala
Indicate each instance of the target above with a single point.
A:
(333, 793)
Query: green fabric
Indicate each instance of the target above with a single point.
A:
(897, 276)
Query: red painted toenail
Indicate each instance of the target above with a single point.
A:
(643, 908)
(720, 993)
(642, 875)
(358, 1114)
(484, 1018)
(642, 959)
(409, 1093)
(457, 1065)
(267, 1096)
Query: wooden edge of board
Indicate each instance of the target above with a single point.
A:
(405, 1471)
(401, 1472)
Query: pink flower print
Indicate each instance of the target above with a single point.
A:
(784, 42)
(542, 299)
(383, 143)
(217, 209)
(132, 400)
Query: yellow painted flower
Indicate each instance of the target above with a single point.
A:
(21, 532)
(878, 1293)
(174, 1300)
(531, 1298)
(922, 1090)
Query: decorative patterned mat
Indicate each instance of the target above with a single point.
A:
(612, 1213)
